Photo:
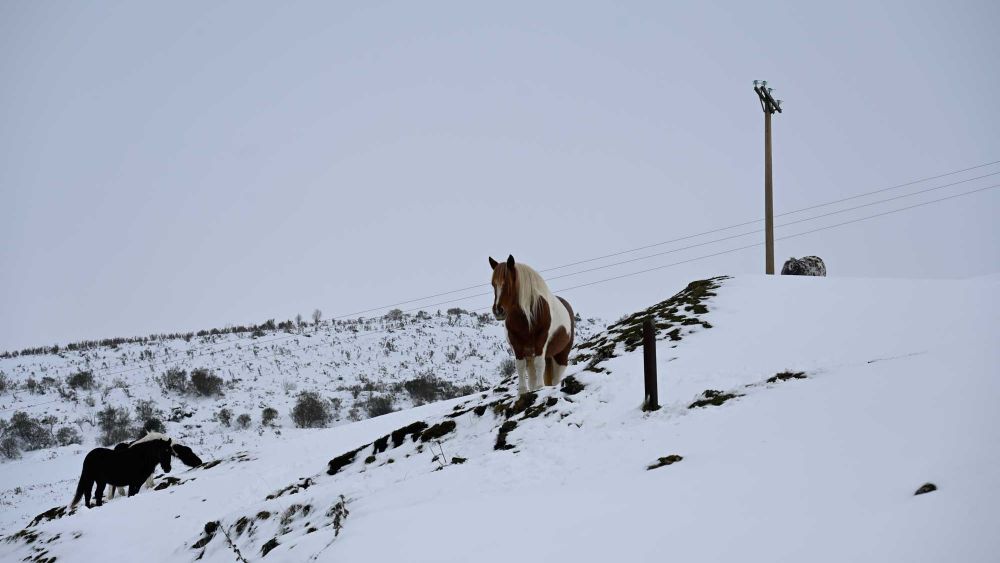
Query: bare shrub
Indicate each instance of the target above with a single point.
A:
(507, 367)
(206, 383)
(243, 421)
(81, 380)
(146, 409)
(153, 425)
(68, 435)
(310, 411)
(176, 380)
(224, 416)
(9, 448)
(115, 425)
(268, 416)
(377, 405)
(428, 388)
(27, 433)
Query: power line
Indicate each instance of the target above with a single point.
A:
(686, 237)
(30, 406)
(622, 276)
(206, 348)
(706, 243)
(745, 223)
(827, 227)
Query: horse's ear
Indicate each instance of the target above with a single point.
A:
(493, 263)
(510, 262)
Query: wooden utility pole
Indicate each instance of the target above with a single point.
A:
(651, 402)
(769, 105)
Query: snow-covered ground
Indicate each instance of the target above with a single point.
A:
(346, 362)
(897, 389)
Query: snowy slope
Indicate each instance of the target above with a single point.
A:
(346, 362)
(899, 389)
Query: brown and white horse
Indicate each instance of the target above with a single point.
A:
(540, 326)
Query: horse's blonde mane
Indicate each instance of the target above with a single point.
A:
(530, 286)
(152, 436)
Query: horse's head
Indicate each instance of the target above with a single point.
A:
(157, 447)
(504, 287)
(187, 456)
(164, 452)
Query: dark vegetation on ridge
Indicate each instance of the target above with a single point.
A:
(669, 317)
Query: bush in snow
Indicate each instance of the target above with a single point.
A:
(4, 382)
(30, 433)
(115, 425)
(206, 383)
(68, 435)
(268, 415)
(81, 380)
(243, 421)
(310, 411)
(9, 447)
(32, 386)
(176, 380)
(225, 416)
(154, 425)
(336, 403)
(394, 315)
(427, 388)
(145, 409)
(354, 413)
(25, 433)
(507, 367)
(377, 405)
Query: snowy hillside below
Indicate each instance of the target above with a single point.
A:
(361, 368)
(800, 416)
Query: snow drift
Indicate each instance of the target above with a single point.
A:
(800, 416)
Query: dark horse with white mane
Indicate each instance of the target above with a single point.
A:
(180, 451)
(122, 467)
(540, 326)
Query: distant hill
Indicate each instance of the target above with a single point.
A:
(359, 368)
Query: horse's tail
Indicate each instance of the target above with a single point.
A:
(83, 488)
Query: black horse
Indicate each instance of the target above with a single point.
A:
(129, 467)
(180, 451)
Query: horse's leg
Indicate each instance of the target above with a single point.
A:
(557, 373)
(549, 368)
(559, 363)
(133, 488)
(111, 493)
(99, 493)
(536, 368)
(522, 384)
(86, 492)
(149, 481)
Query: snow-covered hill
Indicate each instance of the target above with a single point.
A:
(800, 416)
(360, 367)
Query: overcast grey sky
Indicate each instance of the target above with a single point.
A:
(182, 165)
